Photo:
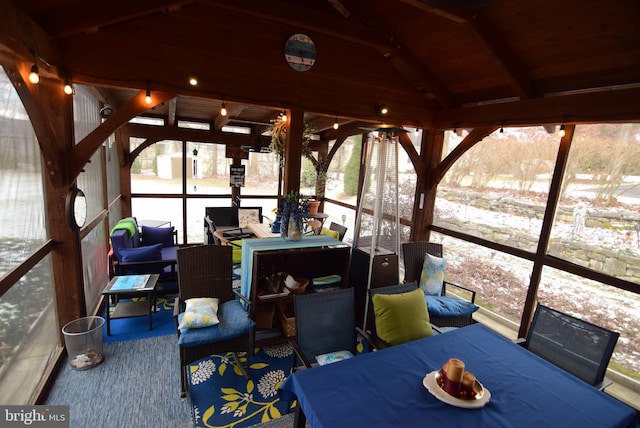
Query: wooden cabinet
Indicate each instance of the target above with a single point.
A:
(305, 262)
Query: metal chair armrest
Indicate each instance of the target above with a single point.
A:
(472, 293)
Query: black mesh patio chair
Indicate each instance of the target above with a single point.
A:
(205, 271)
(338, 228)
(577, 346)
(325, 326)
(413, 256)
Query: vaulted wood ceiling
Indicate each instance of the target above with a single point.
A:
(504, 62)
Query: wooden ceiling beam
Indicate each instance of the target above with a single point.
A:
(86, 17)
(25, 38)
(401, 57)
(83, 151)
(493, 44)
(619, 105)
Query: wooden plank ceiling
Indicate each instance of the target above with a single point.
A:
(487, 62)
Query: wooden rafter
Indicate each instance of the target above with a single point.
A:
(89, 144)
(85, 17)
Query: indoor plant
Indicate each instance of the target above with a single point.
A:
(293, 210)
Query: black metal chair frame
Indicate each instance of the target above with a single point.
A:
(413, 256)
(577, 346)
(325, 322)
(205, 271)
(342, 230)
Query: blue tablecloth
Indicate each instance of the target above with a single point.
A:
(384, 388)
(251, 245)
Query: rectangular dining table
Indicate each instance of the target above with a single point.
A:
(385, 388)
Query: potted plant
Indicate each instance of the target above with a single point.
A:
(293, 211)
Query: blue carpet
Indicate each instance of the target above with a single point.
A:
(137, 328)
(222, 397)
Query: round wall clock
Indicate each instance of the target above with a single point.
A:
(300, 52)
(76, 209)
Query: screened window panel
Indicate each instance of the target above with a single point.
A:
(22, 212)
(498, 189)
(597, 223)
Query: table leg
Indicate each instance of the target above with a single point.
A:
(106, 310)
(300, 419)
(150, 298)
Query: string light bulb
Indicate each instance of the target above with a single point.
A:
(561, 132)
(223, 110)
(147, 97)
(336, 125)
(193, 80)
(34, 75)
(384, 110)
(283, 116)
(68, 88)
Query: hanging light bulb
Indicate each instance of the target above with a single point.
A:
(561, 133)
(147, 97)
(34, 75)
(336, 125)
(68, 88)
(283, 116)
(193, 80)
(223, 110)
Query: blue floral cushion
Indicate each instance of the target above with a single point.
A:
(200, 312)
(234, 322)
(432, 275)
(333, 357)
(445, 306)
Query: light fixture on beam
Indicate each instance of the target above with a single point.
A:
(223, 110)
(68, 88)
(562, 132)
(193, 81)
(336, 125)
(283, 115)
(383, 110)
(147, 97)
(34, 75)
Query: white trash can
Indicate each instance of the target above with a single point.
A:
(83, 339)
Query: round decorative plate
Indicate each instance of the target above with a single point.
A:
(300, 52)
(430, 382)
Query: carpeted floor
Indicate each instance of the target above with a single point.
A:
(137, 328)
(137, 385)
(222, 397)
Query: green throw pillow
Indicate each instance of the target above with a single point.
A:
(401, 317)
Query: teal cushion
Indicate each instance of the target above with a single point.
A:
(432, 275)
(444, 306)
(234, 322)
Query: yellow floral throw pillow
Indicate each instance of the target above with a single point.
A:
(200, 312)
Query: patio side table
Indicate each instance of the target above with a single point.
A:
(130, 286)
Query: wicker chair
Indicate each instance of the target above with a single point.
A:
(413, 255)
(579, 347)
(205, 271)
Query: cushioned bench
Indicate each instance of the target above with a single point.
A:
(143, 250)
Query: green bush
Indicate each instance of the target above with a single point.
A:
(308, 174)
(352, 170)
